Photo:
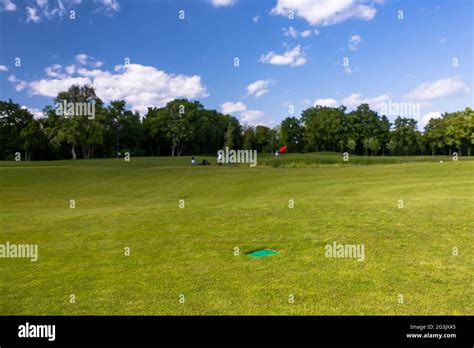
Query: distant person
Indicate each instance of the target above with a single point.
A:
(193, 161)
(205, 163)
(219, 158)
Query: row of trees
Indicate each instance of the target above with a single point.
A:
(363, 131)
(183, 127)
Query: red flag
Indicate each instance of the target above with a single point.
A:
(282, 149)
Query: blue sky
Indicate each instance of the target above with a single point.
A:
(282, 61)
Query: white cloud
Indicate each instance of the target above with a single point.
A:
(31, 15)
(448, 87)
(44, 9)
(81, 58)
(54, 70)
(42, 3)
(70, 69)
(423, 121)
(332, 103)
(140, 86)
(58, 71)
(229, 108)
(52, 87)
(107, 6)
(290, 31)
(8, 5)
(84, 59)
(326, 12)
(355, 99)
(252, 117)
(255, 19)
(222, 3)
(293, 57)
(19, 84)
(3, 68)
(258, 88)
(37, 113)
(354, 41)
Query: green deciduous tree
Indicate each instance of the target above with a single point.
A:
(292, 134)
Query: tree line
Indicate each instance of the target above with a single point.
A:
(185, 127)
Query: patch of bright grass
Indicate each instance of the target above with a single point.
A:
(190, 251)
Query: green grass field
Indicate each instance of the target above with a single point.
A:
(190, 251)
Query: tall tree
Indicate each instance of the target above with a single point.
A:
(154, 126)
(405, 135)
(85, 131)
(292, 134)
(13, 121)
(263, 138)
(233, 136)
(249, 137)
(323, 127)
(362, 124)
(434, 134)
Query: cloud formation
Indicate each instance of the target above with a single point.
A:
(258, 88)
(37, 113)
(108, 7)
(292, 32)
(423, 121)
(329, 102)
(84, 59)
(8, 5)
(354, 41)
(449, 87)
(230, 108)
(222, 3)
(326, 12)
(354, 100)
(250, 117)
(140, 86)
(19, 84)
(41, 10)
(293, 57)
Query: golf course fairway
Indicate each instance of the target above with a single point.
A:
(156, 236)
